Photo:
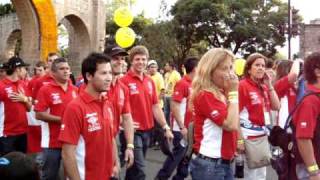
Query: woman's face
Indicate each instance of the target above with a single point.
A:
(222, 72)
(257, 69)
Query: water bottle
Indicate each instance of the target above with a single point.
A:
(239, 169)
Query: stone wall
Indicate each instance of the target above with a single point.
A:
(309, 39)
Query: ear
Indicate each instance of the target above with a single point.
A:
(89, 76)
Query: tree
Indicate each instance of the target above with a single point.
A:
(244, 26)
(6, 9)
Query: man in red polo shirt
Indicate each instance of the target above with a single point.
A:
(34, 125)
(14, 106)
(52, 100)
(306, 123)
(144, 105)
(119, 96)
(181, 117)
(89, 149)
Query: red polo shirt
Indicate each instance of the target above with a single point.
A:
(306, 120)
(87, 123)
(254, 107)
(287, 96)
(143, 96)
(181, 93)
(119, 96)
(44, 80)
(14, 122)
(54, 99)
(209, 137)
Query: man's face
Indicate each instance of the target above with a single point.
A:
(50, 60)
(152, 69)
(39, 71)
(167, 67)
(101, 80)
(62, 73)
(22, 72)
(139, 63)
(117, 63)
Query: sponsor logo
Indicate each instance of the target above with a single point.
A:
(9, 91)
(133, 88)
(214, 114)
(56, 98)
(254, 98)
(303, 124)
(93, 123)
(62, 127)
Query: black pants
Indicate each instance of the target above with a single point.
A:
(13, 143)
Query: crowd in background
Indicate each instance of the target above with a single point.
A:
(220, 125)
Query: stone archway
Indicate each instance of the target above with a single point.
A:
(79, 40)
(12, 40)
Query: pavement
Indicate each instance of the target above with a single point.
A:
(155, 159)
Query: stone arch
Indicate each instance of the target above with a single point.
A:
(11, 43)
(28, 20)
(79, 40)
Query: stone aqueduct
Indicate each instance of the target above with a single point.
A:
(37, 21)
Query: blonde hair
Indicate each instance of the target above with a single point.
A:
(141, 50)
(207, 65)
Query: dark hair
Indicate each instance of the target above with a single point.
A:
(311, 63)
(41, 64)
(269, 63)
(190, 63)
(90, 63)
(283, 68)
(52, 54)
(16, 166)
(250, 60)
(54, 67)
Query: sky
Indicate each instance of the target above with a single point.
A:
(309, 9)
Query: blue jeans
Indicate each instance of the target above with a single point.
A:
(207, 170)
(13, 143)
(50, 163)
(141, 144)
(170, 164)
(166, 108)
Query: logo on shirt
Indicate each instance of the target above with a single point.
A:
(214, 114)
(92, 120)
(254, 98)
(9, 91)
(303, 124)
(62, 127)
(56, 98)
(133, 88)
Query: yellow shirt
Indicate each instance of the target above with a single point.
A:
(170, 81)
(159, 83)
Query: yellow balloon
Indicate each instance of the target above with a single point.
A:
(123, 17)
(125, 37)
(239, 66)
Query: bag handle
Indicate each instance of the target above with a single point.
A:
(288, 120)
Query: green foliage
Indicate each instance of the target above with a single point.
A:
(6, 9)
(244, 26)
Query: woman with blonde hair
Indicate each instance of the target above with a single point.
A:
(214, 100)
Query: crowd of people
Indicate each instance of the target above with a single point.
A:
(107, 117)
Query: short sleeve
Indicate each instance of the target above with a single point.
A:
(71, 125)
(282, 86)
(179, 92)
(210, 107)
(242, 96)
(42, 103)
(126, 104)
(154, 93)
(305, 118)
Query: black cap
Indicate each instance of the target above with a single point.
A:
(15, 62)
(114, 50)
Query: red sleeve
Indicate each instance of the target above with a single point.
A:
(71, 124)
(36, 87)
(210, 107)
(243, 96)
(179, 92)
(2, 92)
(154, 93)
(305, 118)
(282, 86)
(42, 100)
(126, 104)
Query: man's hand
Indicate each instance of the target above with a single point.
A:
(129, 157)
(116, 170)
(18, 97)
(168, 134)
(184, 132)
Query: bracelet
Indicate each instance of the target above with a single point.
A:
(240, 141)
(131, 146)
(313, 168)
(233, 93)
(166, 127)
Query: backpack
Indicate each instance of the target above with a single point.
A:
(285, 164)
